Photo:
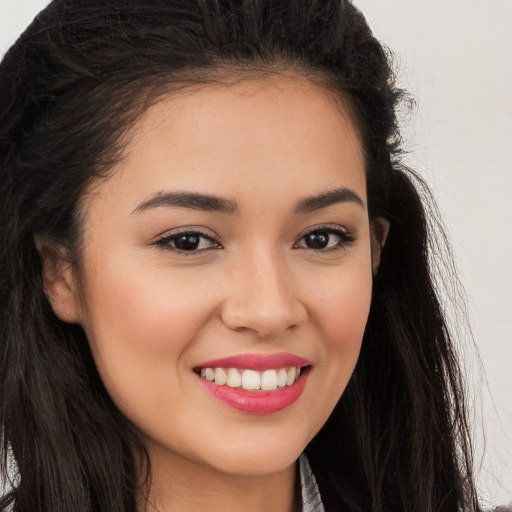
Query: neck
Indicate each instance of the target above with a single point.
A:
(181, 485)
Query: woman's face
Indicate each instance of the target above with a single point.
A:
(232, 241)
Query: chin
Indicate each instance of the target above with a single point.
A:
(259, 457)
(258, 462)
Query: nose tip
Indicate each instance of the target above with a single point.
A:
(267, 307)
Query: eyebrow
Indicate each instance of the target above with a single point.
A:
(209, 203)
(190, 200)
(339, 195)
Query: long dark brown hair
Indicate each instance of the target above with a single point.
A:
(70, 87)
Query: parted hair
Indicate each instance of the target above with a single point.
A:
(70, 88)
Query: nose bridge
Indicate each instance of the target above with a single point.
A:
(267, 278)
(264, 297)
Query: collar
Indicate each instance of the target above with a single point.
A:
(311, 499)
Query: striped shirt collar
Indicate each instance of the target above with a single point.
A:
(311, 500)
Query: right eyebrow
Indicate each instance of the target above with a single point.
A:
(190, 200)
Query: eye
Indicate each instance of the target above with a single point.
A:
(188, 242)
(324, 239)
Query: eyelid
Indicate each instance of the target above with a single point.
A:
(201, 230)
(164, 238)
(326, 227)
(348, 237)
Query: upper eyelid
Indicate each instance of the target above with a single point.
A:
(326, 227)
(207, 233)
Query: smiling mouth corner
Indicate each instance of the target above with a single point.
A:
(253, 380)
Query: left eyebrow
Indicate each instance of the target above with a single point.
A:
(339, 195)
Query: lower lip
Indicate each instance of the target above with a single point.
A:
(256, 402)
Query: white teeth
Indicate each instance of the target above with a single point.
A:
(292, 372)
(269, 380)
(282, 377)
(251, 380)
(234, 378)
(221, 377)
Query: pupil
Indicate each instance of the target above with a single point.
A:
(186, 242)
(318, 240)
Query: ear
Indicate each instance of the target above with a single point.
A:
(59, 280)
(379, 229)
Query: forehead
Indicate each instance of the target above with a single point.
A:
(247, 138)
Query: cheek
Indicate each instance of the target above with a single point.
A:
(345, 313)
(342, 302)
(140, 321)
(338, 308)
(137, 307)
(340, 315)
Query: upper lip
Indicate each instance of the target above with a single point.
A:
(259, 362)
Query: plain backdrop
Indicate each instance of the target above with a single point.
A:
(455, 58)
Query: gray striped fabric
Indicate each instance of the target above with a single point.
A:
(311, 500)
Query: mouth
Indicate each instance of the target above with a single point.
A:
(252, 380)
(255, 384)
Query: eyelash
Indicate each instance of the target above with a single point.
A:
(346, 239)
(165, 241)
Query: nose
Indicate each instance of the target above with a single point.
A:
(262, 298)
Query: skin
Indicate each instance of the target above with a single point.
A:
(152, 313)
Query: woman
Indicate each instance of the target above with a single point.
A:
(215, 280)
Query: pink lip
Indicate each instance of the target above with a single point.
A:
(259, 362)
(256, 402)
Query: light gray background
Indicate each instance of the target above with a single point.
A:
(455, 58)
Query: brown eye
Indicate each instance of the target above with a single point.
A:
(188, 241)
(317, 239)
(324, 239)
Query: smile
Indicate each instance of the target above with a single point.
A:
(252, 380)
(255, 383)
